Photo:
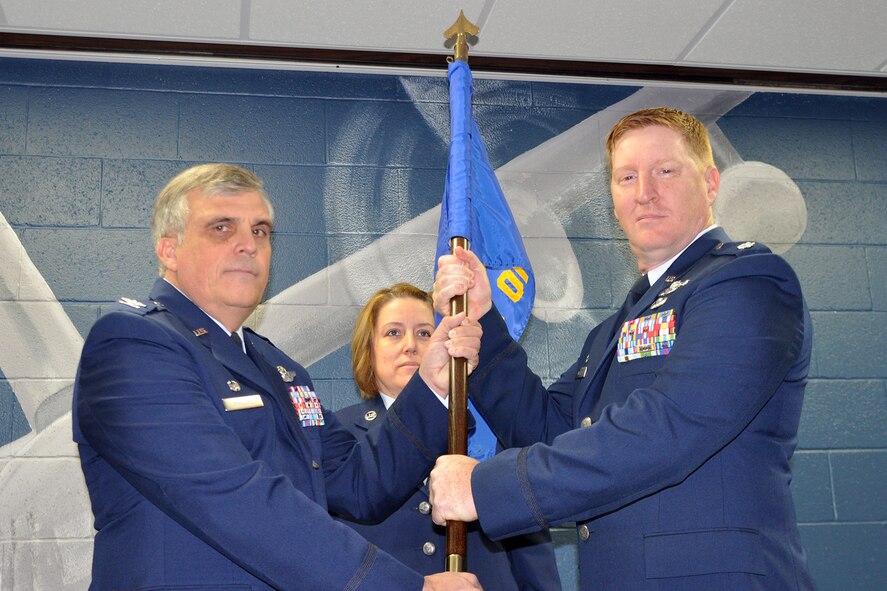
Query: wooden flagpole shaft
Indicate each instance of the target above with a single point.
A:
(458, 430)
(461, 34)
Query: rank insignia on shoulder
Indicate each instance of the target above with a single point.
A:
(199, 332)
(233, 385)
(370, 415)
(132, 303)
(745, 245)
(285, 375)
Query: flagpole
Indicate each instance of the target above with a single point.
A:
(457, 547)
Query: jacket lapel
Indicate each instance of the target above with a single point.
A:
(374, 409)
(688, 258)
(273, 376)
(209, 334)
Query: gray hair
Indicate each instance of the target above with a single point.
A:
(171, 209)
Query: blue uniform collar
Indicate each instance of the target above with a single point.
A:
(208, 333)
(694, 252)
(681, 265)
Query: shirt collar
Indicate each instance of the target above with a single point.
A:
(239, 330)
(658, 271)
(386, 400)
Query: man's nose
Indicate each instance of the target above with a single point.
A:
(246, 242)
(646, 189)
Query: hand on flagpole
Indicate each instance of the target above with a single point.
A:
(455, 336)
(451, 582)
(449, 489)
(457, 274)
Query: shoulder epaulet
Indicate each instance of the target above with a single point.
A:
(257, 335)
(739, 248)
(137, 307)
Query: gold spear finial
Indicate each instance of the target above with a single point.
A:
(460, 35)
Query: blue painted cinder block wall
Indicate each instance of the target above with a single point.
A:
(348, 158)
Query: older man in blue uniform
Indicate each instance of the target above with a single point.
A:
(668, 441)
(209, 460)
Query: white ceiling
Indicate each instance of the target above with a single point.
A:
(813, 36)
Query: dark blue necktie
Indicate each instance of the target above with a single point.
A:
(634, 295)
(236, 338)
(637, 291)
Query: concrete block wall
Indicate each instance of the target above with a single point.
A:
(350, 158)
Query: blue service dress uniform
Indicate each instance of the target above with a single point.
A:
(668, 441)
(526, 562)
(211, 469)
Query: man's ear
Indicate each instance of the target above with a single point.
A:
(712, 183)
(166, 252)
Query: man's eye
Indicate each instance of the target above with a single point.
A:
(262, 232)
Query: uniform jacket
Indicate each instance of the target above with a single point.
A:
(187, 495)
(673, 461)
(526, 562)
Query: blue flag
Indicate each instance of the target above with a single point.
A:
(475, 208)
